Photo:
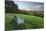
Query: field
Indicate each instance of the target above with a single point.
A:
(31, 22)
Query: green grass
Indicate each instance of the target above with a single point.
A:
(31, 22)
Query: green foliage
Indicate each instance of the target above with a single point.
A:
(39, 15)
(10, 7)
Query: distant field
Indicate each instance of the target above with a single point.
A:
(31, 22)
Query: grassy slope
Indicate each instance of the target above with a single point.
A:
(30, 21)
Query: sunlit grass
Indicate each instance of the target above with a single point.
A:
(31, 22)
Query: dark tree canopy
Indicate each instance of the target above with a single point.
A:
(10, 7)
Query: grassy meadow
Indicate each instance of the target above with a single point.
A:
(30, 22)
(31, 13)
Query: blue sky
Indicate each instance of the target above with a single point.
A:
(28, 6)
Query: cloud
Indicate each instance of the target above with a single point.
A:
(30, 6)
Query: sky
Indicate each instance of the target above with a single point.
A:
(30, 6)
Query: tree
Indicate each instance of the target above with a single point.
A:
(10, 7)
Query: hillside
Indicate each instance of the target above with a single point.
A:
(31, 22)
